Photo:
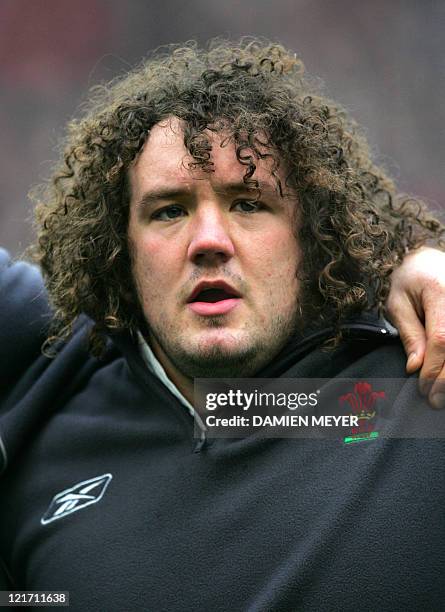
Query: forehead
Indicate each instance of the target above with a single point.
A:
(165, 159)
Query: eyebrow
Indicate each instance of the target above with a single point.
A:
(153, 196)
(171, 193)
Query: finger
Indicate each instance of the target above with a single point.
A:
(433, 363)
(432, 369)
(437, 393)
(412, 333)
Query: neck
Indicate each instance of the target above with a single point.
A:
(182, 382)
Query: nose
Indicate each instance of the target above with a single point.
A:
(210, 242)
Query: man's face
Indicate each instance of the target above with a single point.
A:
(215, 273)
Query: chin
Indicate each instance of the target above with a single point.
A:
(218, 363)
(222, 340)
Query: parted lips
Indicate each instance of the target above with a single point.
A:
(212, 291)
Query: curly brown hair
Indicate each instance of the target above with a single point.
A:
(354, 230)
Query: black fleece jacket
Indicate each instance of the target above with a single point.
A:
(106, 493)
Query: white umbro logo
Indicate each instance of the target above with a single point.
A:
(81, 495)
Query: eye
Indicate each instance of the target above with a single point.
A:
(247, 206)
(168, 213)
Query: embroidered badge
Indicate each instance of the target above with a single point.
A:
(363, 403)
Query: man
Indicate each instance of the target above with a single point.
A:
(215, 217)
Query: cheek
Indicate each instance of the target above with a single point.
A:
(149, 268)
(282, 260)
(293, 255)
(285, 276)
(158, 266)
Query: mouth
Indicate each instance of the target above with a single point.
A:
(213, 298)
